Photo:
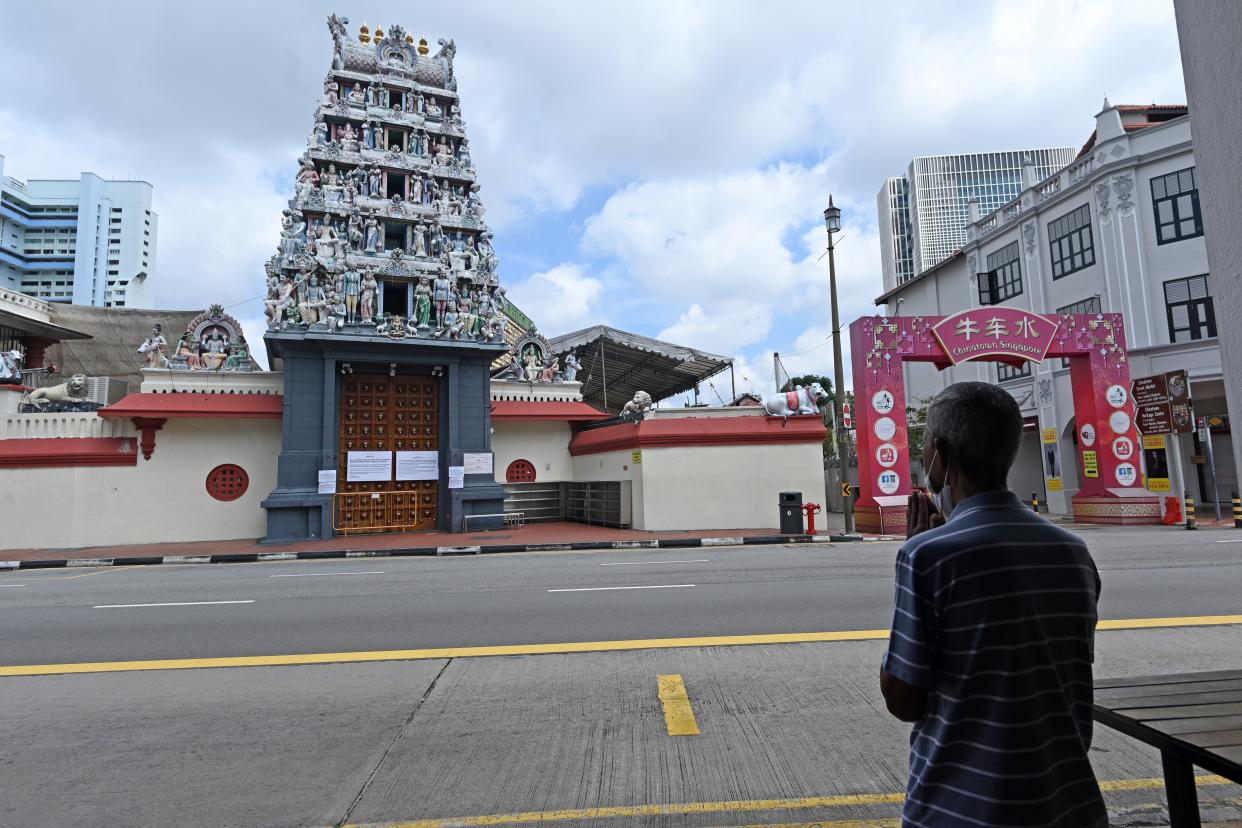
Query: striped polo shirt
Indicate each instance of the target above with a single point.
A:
(995, 616)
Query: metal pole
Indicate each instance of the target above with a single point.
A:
(776, 370)
(732, 385)
(603, 367)
(838, 396)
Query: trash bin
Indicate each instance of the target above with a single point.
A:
(791, 513)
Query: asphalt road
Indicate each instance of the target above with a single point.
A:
(61, 616)
(786, 733)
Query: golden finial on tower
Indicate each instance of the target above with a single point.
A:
(409, 39)
(379, 34)
(364, 34)
(423, 48)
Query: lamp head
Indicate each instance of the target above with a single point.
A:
(832, 217)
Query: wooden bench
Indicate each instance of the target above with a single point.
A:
(509, 518)
(1193, 719)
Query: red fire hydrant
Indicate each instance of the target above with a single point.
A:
(811, 509)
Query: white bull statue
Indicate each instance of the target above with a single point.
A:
(798, 401)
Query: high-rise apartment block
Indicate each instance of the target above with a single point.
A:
(87, 241)
(935, 196)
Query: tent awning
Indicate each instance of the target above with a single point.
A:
(616, 364)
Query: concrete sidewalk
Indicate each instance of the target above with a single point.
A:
(529, 538)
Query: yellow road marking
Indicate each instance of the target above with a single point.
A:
(678, 714)
(730, 806)
(537, 649)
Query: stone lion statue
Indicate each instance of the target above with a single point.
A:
(637, 407)
(71, 391)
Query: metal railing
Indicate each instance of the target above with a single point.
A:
(381, 507)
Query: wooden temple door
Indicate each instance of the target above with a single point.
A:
(387, 414)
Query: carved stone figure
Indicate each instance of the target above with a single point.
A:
(336, 312)
(422, 304)
(215, 351)
(356, 238)
(448, 50)
(292, 233)
(271, 305)
(441, 296)
(432, 109)
(356, 97)
(312, 308)
(572, 367)
(637, 407)
(550, 371)
(368, 134)
(348, 136)
(321, 131)
(72, 391)
(239, 356)
(367, 301)
(331, 90)
(798, 401)
(351, 284)
(416, 189)
(373, 238)
(152, 349)
(10, 367)
(375, 180)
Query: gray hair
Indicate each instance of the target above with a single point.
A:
(981, 426)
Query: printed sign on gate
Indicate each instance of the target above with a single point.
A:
(995, 332)
(889, 482)
(1127, 475)
(886, 455)
(883, 402)
(1090, 464)
(1123, 448)
(885, 428)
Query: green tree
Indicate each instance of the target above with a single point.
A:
(916, 421)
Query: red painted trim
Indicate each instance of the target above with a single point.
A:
(68, 451)
(198, 406)
(529, 411)
(699, 431)
(148, 426)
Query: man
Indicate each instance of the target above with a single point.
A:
(993, 635)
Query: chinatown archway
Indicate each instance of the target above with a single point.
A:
(1094, 344)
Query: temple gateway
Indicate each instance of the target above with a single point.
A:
(406, 393)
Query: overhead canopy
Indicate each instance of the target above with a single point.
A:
(34, 327)
(616, 364)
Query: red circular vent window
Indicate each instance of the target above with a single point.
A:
(227, 482)
(520, 471)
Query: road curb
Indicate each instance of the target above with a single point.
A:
(432, 551)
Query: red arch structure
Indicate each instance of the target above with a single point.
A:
(1094, 344)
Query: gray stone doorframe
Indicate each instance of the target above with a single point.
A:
(314, 366)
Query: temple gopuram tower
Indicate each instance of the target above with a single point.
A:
(383, 305)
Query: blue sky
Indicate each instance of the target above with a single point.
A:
(657, 165)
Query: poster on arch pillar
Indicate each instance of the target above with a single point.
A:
(1051, 451)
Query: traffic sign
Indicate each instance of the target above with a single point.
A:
(847, 490)
(847, 417)
(1163, 402)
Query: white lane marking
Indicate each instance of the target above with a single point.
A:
(173, 604)
(643, 563)
(606, 589)
(1236, 540)
(322, 574)
(10, 586)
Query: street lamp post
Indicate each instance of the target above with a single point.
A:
(832, 222)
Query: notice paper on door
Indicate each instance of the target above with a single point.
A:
(327, 481)
(368, 466)
(478, 463)
(457, 477)
(418, 465)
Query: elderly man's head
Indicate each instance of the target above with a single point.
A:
(973, 428)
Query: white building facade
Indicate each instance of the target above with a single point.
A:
(936, 192)
(1119, 230)
(87, 241)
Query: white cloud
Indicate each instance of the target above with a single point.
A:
(566, 298)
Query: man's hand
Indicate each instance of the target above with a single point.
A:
(921, 514)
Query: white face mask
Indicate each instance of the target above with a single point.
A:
(944, 497)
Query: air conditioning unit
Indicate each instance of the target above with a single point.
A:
(106, 390)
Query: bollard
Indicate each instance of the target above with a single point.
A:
(1034, 502)
(1190, 512)
(1237, 511)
